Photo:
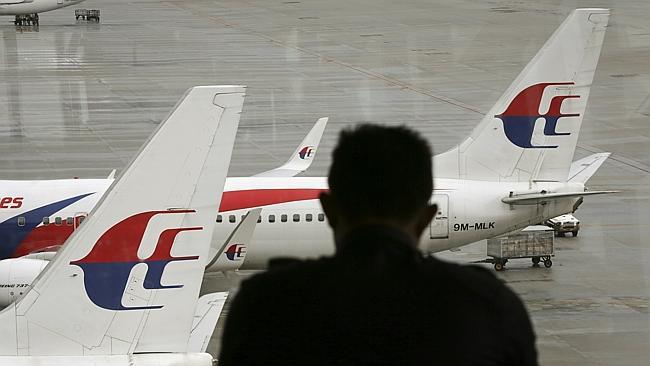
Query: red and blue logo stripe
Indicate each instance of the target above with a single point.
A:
(13, 237)
(108, 265)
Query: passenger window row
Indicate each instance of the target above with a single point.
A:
(58, 221)
(272, 218)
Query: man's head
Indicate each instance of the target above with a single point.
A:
(380, 175)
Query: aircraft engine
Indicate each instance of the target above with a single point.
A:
(16, 276)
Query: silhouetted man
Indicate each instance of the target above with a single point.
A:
(378, 300)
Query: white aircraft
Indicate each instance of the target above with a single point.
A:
(37, 216)
(514, 170)
(33, 7)
(124, 288)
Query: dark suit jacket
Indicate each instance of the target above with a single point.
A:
(377, 301)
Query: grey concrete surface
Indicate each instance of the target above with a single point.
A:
(78, 99)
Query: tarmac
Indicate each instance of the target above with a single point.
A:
(79, 99)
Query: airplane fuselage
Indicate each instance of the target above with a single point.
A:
(22, 7)
(42, 214)
(468, 211)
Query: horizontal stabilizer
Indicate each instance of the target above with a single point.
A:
(581, 170)
(303, 156)
(540, 198)
(230, 256)
(208, 310)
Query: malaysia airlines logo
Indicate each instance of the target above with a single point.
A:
(522, 113)
(236, 252)
(108, 266)
(306, 153)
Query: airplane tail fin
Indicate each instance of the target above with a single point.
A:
(128, 279)
(530, 134)
(581, 170)
(231, 254)
(303, 156)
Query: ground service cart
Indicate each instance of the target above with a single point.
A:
(87, 14)
(564, 224)
(535, 242)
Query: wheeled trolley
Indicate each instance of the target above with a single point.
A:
(87, 14)
(81, 13)
(26, 19)
(534, 242)
(93, 14)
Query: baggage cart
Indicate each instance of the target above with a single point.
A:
(87, 14)
(93, 14)
(535, 242)
(81, 13)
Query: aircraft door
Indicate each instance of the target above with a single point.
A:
(440, 223)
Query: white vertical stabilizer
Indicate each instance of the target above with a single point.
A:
(232, 254)
(532, 130)
(127, 281)
(303, 156)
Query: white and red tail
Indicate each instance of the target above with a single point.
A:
(530, 134)
(303, 156)
(127, 281)
(231, 254)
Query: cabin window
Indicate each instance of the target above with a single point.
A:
(283, 218)
(259, 219)
(21, 221)
(321, 217)
(271, 218)
(46, 220)
(69, 221)
(296, 217)
(308, 217)
(57, 221)
(232, 218)
(219, 218)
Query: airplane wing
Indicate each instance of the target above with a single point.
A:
(208, 310)
(540, 198)
(230, 256)
(302, 157)
(581, 170)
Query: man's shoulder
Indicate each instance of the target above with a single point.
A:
(287, 271)
(472, 279)
(471, 272)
